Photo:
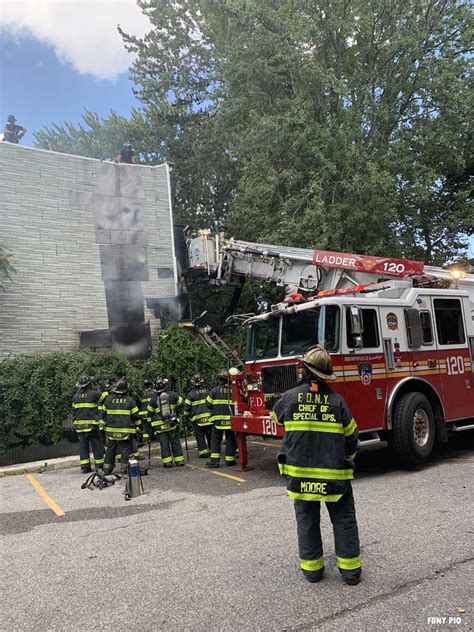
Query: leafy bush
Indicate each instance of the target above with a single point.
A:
(36, 390)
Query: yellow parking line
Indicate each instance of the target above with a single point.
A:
(270, 445)
(209, 471)
(47, 499)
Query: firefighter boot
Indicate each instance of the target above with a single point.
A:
(213, 462)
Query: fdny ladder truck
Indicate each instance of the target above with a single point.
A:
(400, 333)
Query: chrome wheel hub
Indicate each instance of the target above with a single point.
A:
(421, 427)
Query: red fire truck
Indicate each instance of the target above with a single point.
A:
(401, 337)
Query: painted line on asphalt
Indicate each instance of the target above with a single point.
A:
(209, 471)
(39, 489)
(270, 445)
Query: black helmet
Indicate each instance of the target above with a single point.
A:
(121, 386)
(147, 383)
(224, 375)
(84, 380)
(197, 380)
(161, 384)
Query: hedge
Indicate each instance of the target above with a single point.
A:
(36, 390)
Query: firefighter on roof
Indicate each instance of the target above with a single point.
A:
(221, 405)
(317, 455)
(163, 419)
(198, 413)
(87, 423)
(121, 422)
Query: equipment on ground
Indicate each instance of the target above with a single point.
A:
(100, 480)
(400, 335)
(134, 483)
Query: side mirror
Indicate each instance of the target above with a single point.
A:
(357, 341)
(356, 325)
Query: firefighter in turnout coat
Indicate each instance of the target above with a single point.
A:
(317, 455)
(198, 413)
(122, 420)
(145, 399)
(221, 405)
(163, 420)
(87, 422)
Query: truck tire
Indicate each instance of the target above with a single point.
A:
(413, 429)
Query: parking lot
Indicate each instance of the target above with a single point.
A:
(217, 550)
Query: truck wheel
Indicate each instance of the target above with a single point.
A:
(413, 429)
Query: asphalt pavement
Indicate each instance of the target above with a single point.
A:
(202, 551)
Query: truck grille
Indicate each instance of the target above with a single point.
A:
(279, 378)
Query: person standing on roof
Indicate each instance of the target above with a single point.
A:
(221, 405)
(13, 133)
(121, 422)
(87, 423)
(127, 155)
(162, 414)
(198, 414)
(317, 460)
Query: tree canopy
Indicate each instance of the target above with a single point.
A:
(342, 124)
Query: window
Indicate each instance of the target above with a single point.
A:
(312, 327)
(262, 340)
(448, 315)
(426, 330)
(370, 334)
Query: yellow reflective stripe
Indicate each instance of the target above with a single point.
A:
(84, 462)
(200, 416)
(85, 422)
(227, 402)
(331, 498)
(167, 459)
(316, 472)
(89, 405)
(215, 455)
(121, 430)
(178, 459)
(142, 413)
(206, 452)
(348, 563)
(350, 428)
(118, 411)
(134, 410)
(188, 401)
(198, 402)
(98, 461)
(312, 565)
(313, 426)
(219, 417)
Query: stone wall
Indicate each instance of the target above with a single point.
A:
(93, 247)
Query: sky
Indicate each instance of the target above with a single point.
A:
(59, 57)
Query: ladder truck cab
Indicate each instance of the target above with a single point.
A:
(401, 337)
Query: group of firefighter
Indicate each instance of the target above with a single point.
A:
(112, 424)
(317, 456)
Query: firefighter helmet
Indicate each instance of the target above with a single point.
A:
(224, 375)
(84, 380)
(161, 384)
(147, 383)
(121, 386)
(318, 362)
(197, 380)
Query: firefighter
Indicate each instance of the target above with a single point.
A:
(317, 460)
(145, 399)
(163, 419)
(121, 422)
(87, 423)
(198, 413)
(220, 404)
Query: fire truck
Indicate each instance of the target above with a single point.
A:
(400, 333)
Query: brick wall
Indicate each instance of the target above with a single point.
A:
(48, 220)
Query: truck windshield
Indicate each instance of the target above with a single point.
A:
(298, 332)
(262, 340)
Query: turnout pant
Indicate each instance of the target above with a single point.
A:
(203, 439)
(230, 445)
(126, 447)
(91, 440)
(346, 536)
(171, 449)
